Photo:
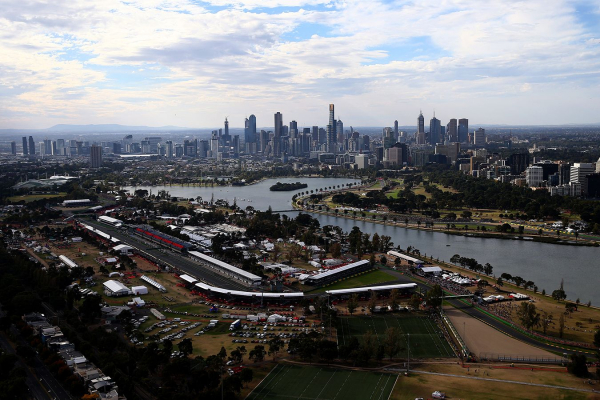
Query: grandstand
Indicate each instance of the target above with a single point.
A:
(409, 259)
(223, 268)
(163, 239)
(333, 275)
(153, 283)
(102, 235)
(403, 288)
(110, 221)
(189, 280)
(249, 297)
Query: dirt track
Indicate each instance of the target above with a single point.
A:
(482, 338)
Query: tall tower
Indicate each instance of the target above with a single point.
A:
(396, 129)
(250, 129)
(31, 146)
(435, 130)
(331, 127)
(25, 149)
(452, 130)
(421, 123)
(277, 137)
(95, 156)
(463, 130)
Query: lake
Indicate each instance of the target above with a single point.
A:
(544, 264)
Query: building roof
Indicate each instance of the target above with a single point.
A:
(372, 288)
(115, 286)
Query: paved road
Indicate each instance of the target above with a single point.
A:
(170, 258)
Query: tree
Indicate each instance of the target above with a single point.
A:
(372, 302)
(275, 345)
(487, 269)
(336, 250)
(561, 325)
(257, 353)
(186, 347)
(392, 342)
(528, 315)
(352, 303)
(372, 260)
(559, 294)
(578, 365)
(415, 301)
(383, 260)
(394, 299)
(433, 297)
(246, 375)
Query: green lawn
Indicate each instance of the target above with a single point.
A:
(370, 278)
(426, 339)
(32, 197)
(307, 383)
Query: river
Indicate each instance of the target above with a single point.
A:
(545, 264)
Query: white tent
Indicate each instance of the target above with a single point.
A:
(138, 290)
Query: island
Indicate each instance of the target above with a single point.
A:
(286, 187)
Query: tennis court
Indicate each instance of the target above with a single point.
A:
(426, 338)
(308, 383)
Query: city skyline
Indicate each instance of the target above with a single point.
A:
(125, 63)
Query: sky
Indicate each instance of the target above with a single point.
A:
(194, 63)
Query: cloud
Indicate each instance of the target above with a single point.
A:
(143, 61)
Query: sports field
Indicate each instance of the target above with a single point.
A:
(426, 339)
(308, 383)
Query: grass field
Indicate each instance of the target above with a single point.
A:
(300, 382)
(32, 197)
(370, 278)
(426, 339)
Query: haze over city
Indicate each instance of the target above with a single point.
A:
(190, 64)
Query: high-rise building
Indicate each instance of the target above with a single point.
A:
(278, 133)
(463, 130)
(420, 123)
(293, 129)
(264, 140)
(435, 130)
(13, 148)
(169, 149)
(31, 146)
(534, 176)
(579, 173)
(25, 149)
(452, 130)
(396, 129)
(250, 129)
(95, 156)
(339, 128)
(479, 137)
(331, 127)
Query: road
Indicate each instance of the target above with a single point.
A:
(42, 387)
(169, 258)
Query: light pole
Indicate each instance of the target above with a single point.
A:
(408, 353)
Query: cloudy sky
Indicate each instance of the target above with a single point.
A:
(191, 64)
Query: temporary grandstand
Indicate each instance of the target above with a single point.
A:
(403, 288)
(226, 269)
(110, 220)
(249, 297)
(102, 235)
(76, 203)
(189, 280)
(163, 239)
(332, 275)
(68, 262)
(153, 283)
(410, 259)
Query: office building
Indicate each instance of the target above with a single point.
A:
(435, 131)
(250, 129)
(479, 137)
(31, 146)
(95, 156)
(25, 147)
(579, 173)
(463, 130)
(421, 123)
(13, 148)
(452, 130)
(331, 130)
(278, 133)
(534, 176)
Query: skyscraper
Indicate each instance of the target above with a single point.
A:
(463, 130)
(452, 130)
(31, 146)
(421, 123)
(13, 148)
(435, 130)
(278, 132)
(250, 129)
(293, 129)
(95, 156)
(396, 129)
(331, 127)
(25, 148)
(479, 137)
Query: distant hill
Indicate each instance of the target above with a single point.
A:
(106, 128)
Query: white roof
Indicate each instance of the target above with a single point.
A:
(153, 283)
(372, 288)
(187, 278)
(110, 220)
(116, 286)
(68, 262)
(404, 257)
(431, 269)
(340, 269)
(122, 247)
(224, 265)
(214, 289)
